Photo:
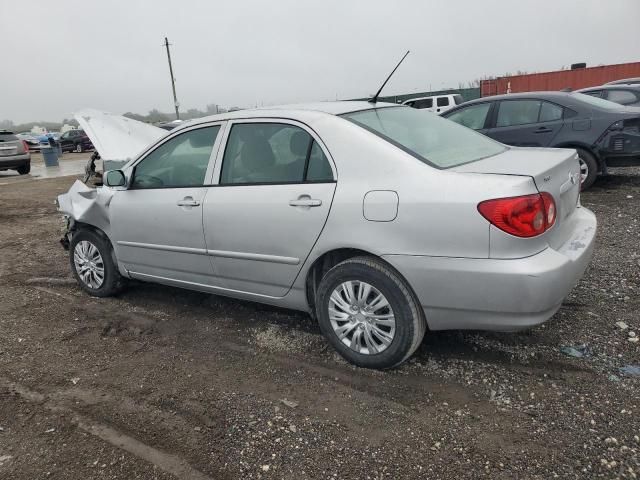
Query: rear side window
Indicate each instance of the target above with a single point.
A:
(424, 103)
(623, 97)
(550, 112)
(259, 153)
(473, 116)
(7, 137)
(443, 101)
(518, 112)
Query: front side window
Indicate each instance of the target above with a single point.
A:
(429, 138)
(518, 112)
(180, 162)
(424, 103)
(272, 153)
(443, 101)
(623, 97)
(473, 116)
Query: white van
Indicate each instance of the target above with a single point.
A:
(437, 103)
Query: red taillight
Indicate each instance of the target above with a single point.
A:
(26, 146)
(525, 216)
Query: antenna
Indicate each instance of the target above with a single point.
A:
(374, 99)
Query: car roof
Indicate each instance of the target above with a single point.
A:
(625, 81)
(293, 111)
(616, 86)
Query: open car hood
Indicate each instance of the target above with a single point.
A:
(117, 138)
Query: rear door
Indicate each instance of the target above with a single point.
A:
(275, 188)
(443, 103)
(527, 122)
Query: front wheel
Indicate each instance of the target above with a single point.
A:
(79, 148)
(369, 314)
(93, 265)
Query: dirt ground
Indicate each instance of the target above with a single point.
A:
(166, 383)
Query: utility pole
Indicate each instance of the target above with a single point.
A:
(173, 80)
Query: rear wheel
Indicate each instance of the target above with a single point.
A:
(93, 265)
(588, 168)
(369, 314)
(24, 169)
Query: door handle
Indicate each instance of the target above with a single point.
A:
(305, 201)
(543, 130)
(188, 202)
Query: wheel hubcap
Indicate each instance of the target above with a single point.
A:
(361, 317)
(584, 170)
(89, 264)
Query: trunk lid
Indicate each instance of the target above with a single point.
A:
(553, 170)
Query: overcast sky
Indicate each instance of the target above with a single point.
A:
(60, 56)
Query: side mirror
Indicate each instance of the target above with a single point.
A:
(115, 178)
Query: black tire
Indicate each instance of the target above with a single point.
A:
(113, 282)
(410, 324)
(592, 167)
(24, 169)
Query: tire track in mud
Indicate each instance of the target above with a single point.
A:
(167, 462)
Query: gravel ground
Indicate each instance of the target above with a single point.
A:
(165, 383)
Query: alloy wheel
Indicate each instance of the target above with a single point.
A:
(89, 264)
(361, 317)
(584, 170)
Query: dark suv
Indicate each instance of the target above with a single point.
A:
(14, 153)
(602, 132)
(75, 141)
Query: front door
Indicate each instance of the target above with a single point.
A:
(157, 221)
(274, 193)
(527, 123)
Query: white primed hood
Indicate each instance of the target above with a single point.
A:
(116, 137)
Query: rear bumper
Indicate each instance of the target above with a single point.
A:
(14, 161)
(496, 294)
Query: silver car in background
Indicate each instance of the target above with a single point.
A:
(379, 220)
(14, 153)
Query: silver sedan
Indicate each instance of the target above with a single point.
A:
(379, 220)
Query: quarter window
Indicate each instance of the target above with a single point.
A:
(179, 162)
(518, 112)
(550, 112)
(272, 153)
(473, 116)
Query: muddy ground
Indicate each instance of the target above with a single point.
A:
(166, 383)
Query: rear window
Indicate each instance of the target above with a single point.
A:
(596, 102)
(7, 137)
(458, 99)
(430, 138)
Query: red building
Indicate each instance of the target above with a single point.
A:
(573, 79)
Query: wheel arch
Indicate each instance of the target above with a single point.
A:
(583, 146)
(329, 259)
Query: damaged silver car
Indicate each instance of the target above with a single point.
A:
(377, 219)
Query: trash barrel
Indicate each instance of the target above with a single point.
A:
(50, 155)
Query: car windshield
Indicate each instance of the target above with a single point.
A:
(596, 102)
(433, 140)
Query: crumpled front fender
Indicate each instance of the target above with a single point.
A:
(87, 205)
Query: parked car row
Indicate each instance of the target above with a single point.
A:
(601, 123)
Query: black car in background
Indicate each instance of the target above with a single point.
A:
(75, 141)
(603, 133)
(627, 95)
